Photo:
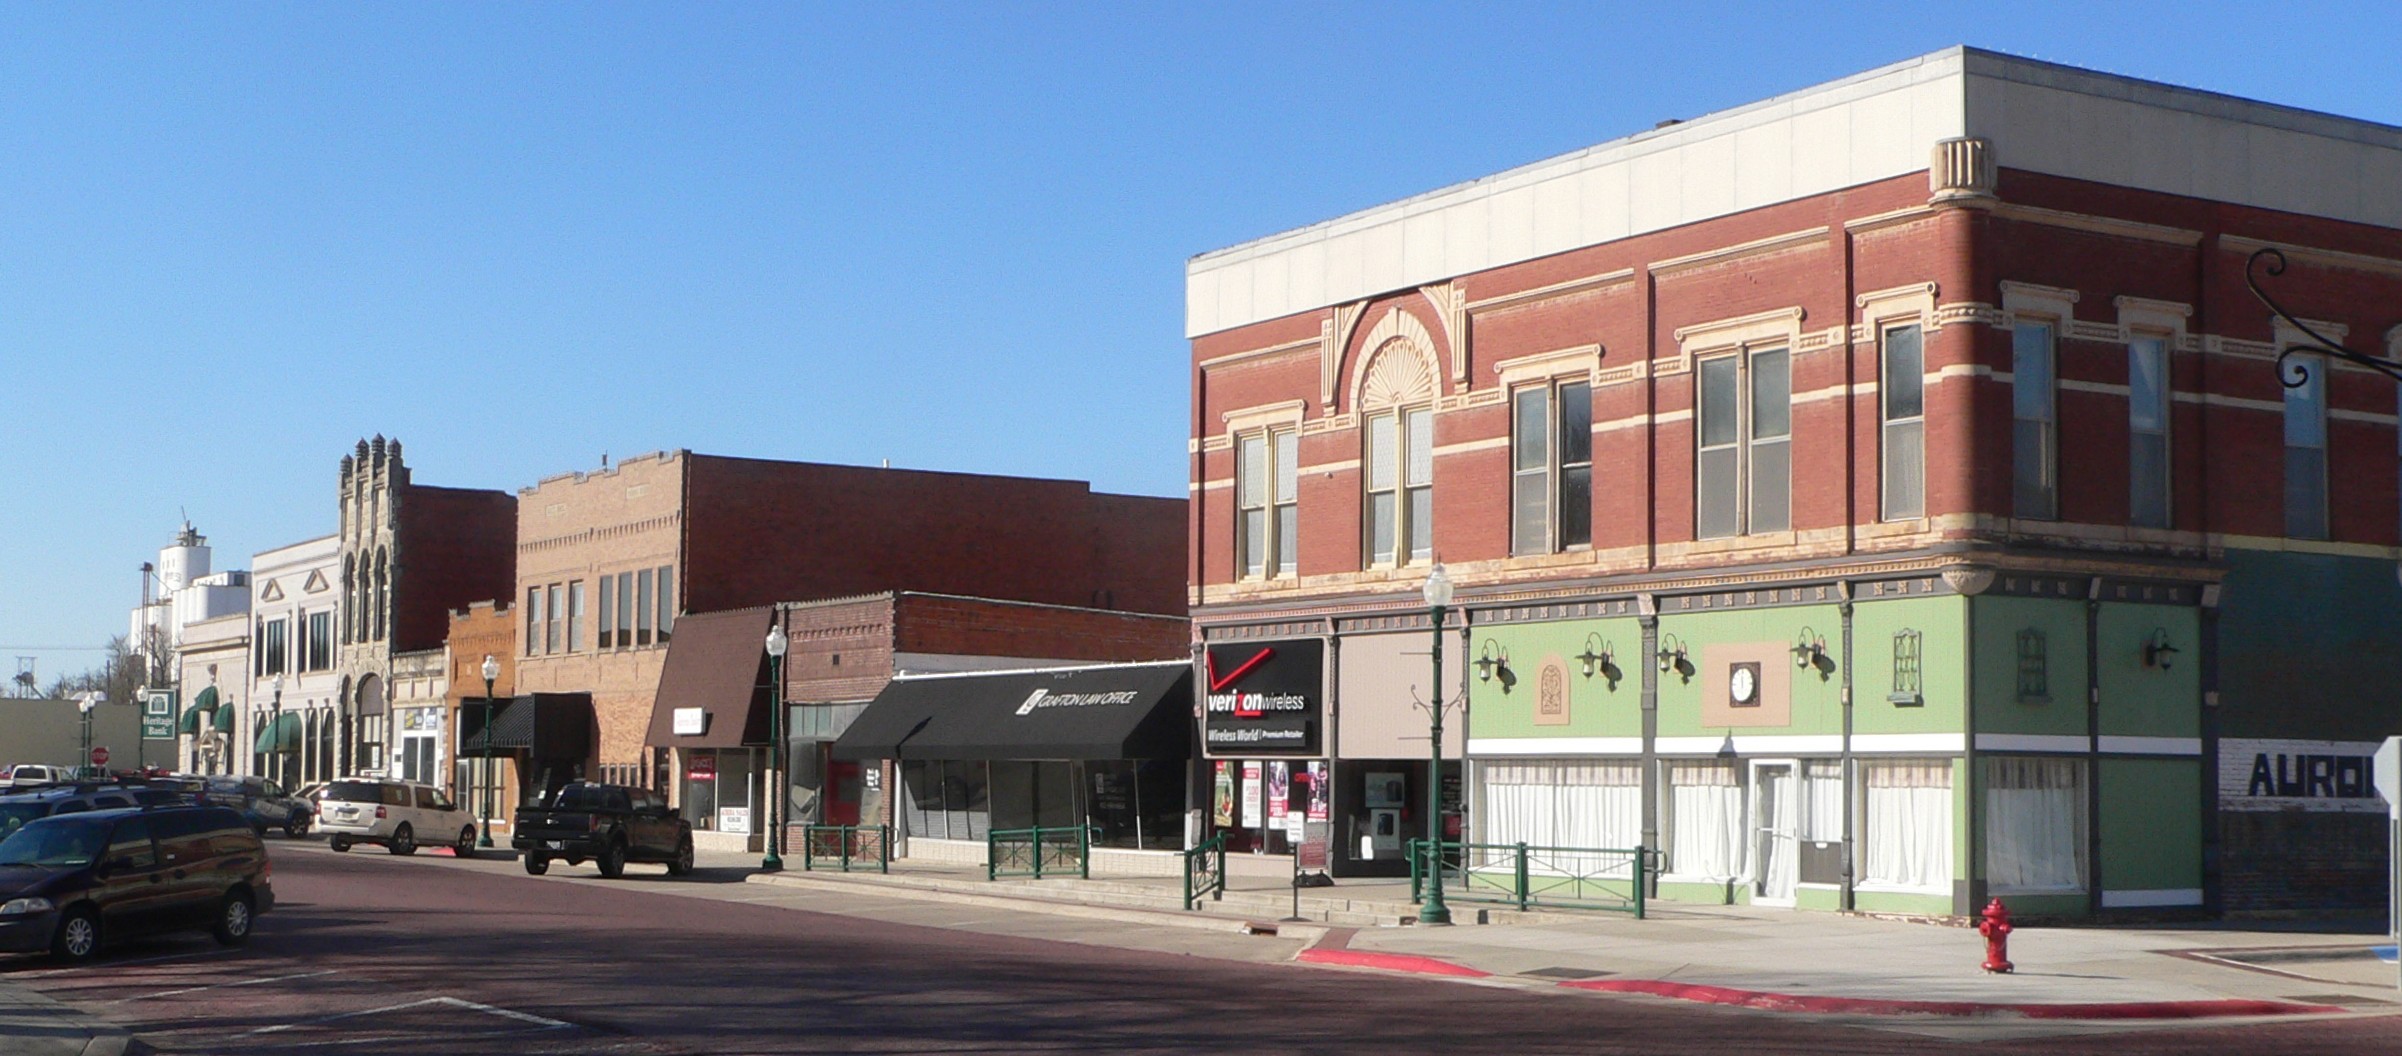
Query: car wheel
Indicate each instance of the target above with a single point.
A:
(233, 920)
(297, 825)
(613, 860)
(536, 865)
(465, 848)
(339, 843)
(682, 864)
(78, 936)
(404, 840)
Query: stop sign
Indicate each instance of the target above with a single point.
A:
(100, 756)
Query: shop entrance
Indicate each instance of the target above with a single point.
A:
(1776, 817)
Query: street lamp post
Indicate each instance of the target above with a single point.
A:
(484, 819)
(1438, 598)
(275, 730)
(776, 645)
(85, 702)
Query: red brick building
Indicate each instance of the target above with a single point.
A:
(610, 562)
(1943, 381)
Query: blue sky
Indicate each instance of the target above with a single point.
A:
(236, 238)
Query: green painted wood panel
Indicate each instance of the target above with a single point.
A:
(2139, 701)
(1504, 705)
(2001, 708)
(2151, 824)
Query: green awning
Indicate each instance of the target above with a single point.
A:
(188, 724)
(224, 722)
(281, 735)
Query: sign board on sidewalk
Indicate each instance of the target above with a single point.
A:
(1309, 853)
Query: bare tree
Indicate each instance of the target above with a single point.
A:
(122, 671)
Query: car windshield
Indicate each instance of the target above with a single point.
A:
(13, 816)
(56, 842)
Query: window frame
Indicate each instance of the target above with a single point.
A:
(605, 636)
(2050, 445)
(2317, 383)
(1277, 504)
(1413, 543)
(1551, 476)
(1888, 423)
(2165, 346)
(1746, 357)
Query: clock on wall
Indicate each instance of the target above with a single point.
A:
(1743, 685)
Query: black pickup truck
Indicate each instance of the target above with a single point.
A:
(609, 824)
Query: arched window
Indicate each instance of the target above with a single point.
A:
(350, 599)
(383, 596)
(1396, 404)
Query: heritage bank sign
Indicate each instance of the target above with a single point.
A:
(1264, 698)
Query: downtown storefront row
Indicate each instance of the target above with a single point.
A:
(1901, 745)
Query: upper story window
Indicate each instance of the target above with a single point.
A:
(2147, 432)
(642, 607)
(1551, 467)
(667, 603)
(575, 614)
(534, 621)
(274, 657)
(1400, 476)
(555, 612)
(1743, 473)
(1267, 475)
(320, 634)
(1903, 388)
(2306, 449)
(608, 613)
(2035, 434)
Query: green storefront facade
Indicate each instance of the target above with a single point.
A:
(1909, 745)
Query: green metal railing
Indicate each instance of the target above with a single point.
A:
(1205, 871)
(1526, 876)
(848, 845)
(1038, 851)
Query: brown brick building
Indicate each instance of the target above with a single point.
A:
(482, 629)
(609, 562)
(1941, 381)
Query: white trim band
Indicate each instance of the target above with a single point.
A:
(1555, 746)
(1940, 743)
(1788, 744)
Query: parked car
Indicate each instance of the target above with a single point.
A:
(69, 883)
(36, 775)
(608, 824)
(262, 801)
(396, 814)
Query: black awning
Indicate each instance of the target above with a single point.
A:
(1117, 711)
(551, 725)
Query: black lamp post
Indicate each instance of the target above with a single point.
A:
(275, 729)
(1438, 597)
(484, 821)
(85, 702)
(777, 643)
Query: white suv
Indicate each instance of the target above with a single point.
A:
(35, 775)
(400, 815)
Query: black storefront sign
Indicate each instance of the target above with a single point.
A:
(1264, 698)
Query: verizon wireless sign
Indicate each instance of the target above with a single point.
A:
(1264, 698)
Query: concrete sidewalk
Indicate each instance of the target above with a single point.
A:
(34, 1025)
(1770, 959)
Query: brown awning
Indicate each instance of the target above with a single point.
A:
(717, 664)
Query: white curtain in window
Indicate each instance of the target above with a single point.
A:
(2034, 824)
(1909, 837)
(1822, 800)
(1563, 803)
(1706, 823)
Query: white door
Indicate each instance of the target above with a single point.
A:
(1776, 846)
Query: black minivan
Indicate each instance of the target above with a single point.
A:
(71, 882)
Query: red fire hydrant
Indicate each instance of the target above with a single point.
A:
(1996, 930)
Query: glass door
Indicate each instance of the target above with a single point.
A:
(1776, 850)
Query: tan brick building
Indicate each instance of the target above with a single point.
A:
(482, 629)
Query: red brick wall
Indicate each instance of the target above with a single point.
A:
(843, 651)
(759, 532)
(2227, 460)
(457, 546)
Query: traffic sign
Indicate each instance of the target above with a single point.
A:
(100, 755)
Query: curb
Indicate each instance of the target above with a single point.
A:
(33, 1024)
(1201, 922)
(1774, 1002)
(1391, 962)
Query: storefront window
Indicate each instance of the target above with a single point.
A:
(945, 800)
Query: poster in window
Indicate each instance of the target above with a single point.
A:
(1280, 783)
(1251, 792)
(1222, 813)
(1317, 791)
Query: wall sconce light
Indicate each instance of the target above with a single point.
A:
(1809, 651)
(1493, 661)
(2156, 649)
(1598, 657)
(1672, 657)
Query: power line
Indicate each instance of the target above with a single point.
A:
(60, 648)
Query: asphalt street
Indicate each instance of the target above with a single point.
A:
(368, 953)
